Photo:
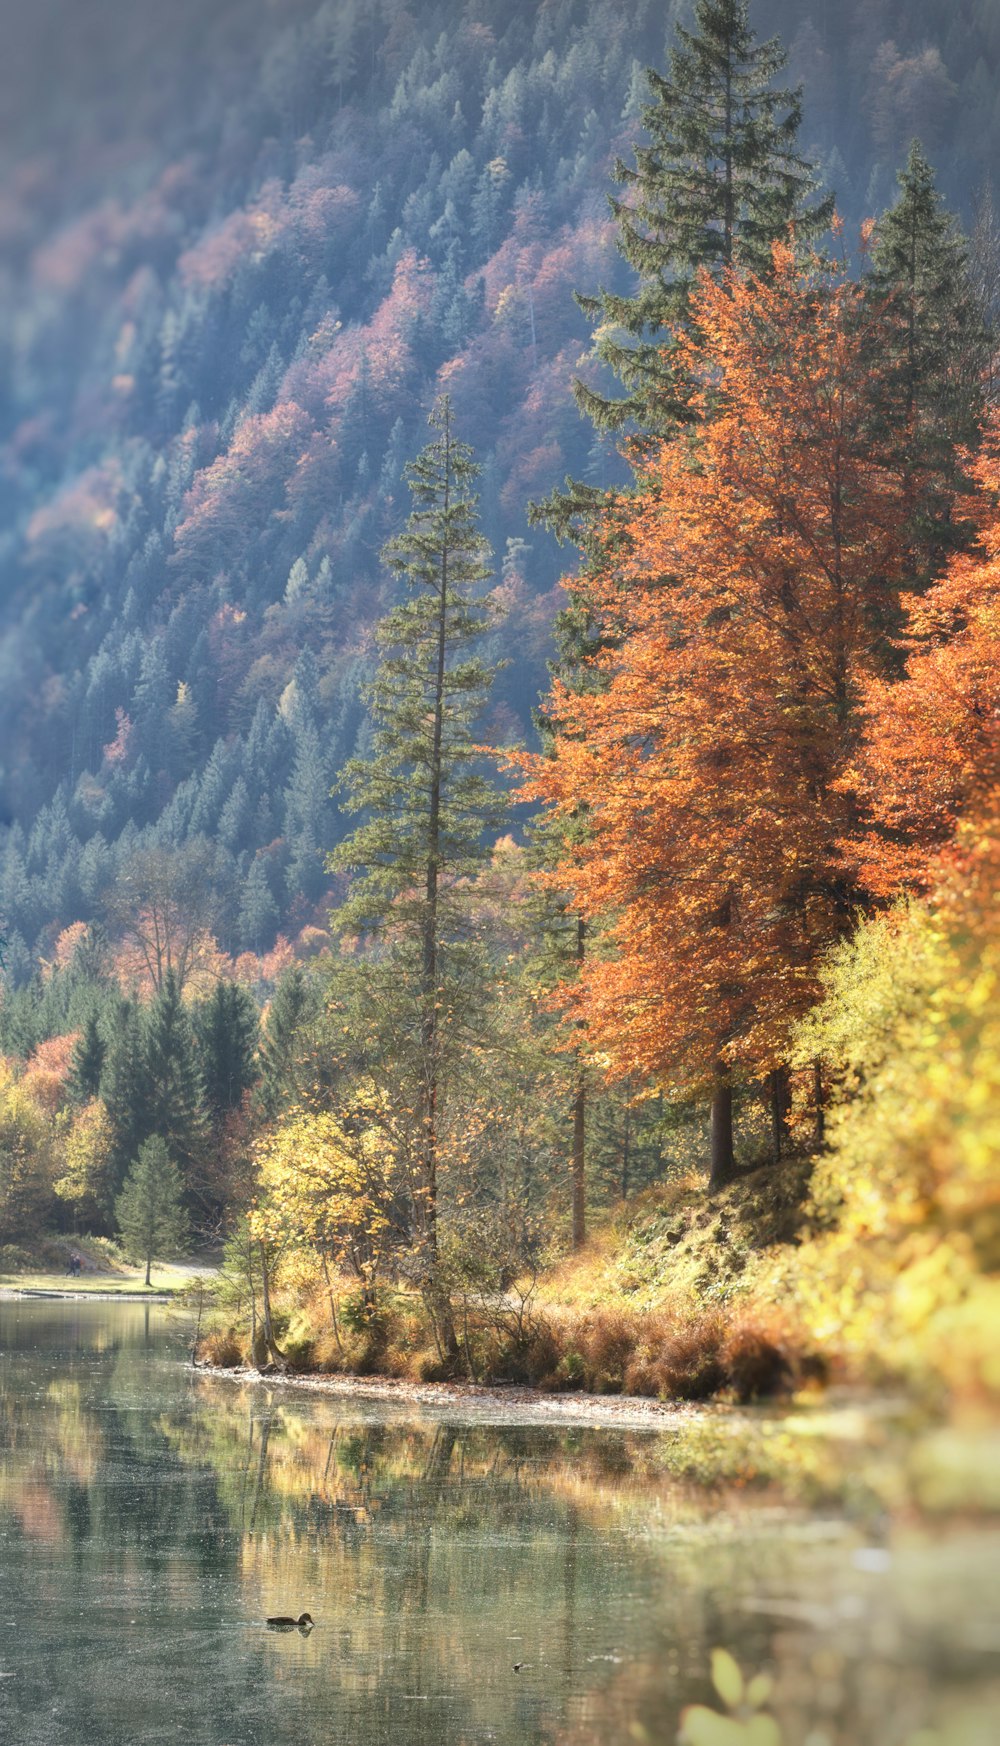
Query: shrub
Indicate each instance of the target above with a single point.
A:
(14, 1259)
(756, 1357)
(221, 1348)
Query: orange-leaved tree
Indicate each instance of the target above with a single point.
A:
(931, 755)
(756, 594)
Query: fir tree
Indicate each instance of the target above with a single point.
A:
(258, 912)
(719, 182)
(126, 1092)
(87, 1062)
(930, 372)
(149, 1208)
(284, 1042)
(226, 1029)
(427, 804)
(175, 1090)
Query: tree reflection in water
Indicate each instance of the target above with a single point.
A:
(151, 1519)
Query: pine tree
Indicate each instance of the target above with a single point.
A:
(149, 1208)
(427, 804)
(126, 1092)
(930, 368)
(720, 182)
(258, 913)
(226, 1029)
(175, 1090)
(87, 1062)
(284, 1042)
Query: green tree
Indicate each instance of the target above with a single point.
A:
(286, 1043)
(719, 181)
(931, 354)
(428, 805)
(226, 1029)
(126, 1092)
(87, 1061)
(258, 915)
(175, 1091)
(150, 1208)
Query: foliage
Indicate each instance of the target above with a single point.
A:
(905, 1276)
(720, 182)
(339, 1182)
(709, 756)
(149, 1209)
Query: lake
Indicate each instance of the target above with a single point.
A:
(151, 1518)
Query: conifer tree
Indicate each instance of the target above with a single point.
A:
(929, 369)
(126, 1092)
(149, 1208)
(258, 912)
(284, 1042)
(426, 802)
(175, 1089)
(226, 1030)
(719, 182)
(87, 1062)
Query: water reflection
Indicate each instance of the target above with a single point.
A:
(150, 1521)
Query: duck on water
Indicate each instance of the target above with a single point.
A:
(281, 1622)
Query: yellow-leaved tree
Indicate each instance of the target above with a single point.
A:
(337, 1182)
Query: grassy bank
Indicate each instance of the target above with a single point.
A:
(755, 1291)
(659, 1304)
(105, 1271)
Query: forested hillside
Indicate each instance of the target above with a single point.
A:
(244, 247)
(388, 890)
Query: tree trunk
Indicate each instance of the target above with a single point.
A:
(626, 1151)
(149, 1263)
(333, 1306)
(778, 1085)
(722, 1171)
(440, 1304)
(580, 1123)
(273, 1353)
(818, 1102)
(579, 1164)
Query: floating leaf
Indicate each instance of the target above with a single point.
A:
(762, 1731)
(727, 1678)
(759, 1690)
(704, 1727)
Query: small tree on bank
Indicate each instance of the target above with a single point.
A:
(150, 1208)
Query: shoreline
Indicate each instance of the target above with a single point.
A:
(14, 1294)
(501, 1402)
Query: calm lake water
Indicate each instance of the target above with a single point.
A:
(151, 1519)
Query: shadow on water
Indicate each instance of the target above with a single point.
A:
(150, 1520)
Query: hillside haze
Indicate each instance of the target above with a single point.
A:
(244, 247)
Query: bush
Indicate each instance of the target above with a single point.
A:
(221, 1348)
(14, 1259)
(756, 1357)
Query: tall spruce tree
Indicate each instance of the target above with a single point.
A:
(719, 182)
(426, 801)
(226, 1030)
(87, 1061)
(931, 371)
(126, 1092)
(286, 1041)
(175, 1089)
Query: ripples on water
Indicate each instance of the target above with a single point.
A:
(150, 1520)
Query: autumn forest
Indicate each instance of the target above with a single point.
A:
(499, 616)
